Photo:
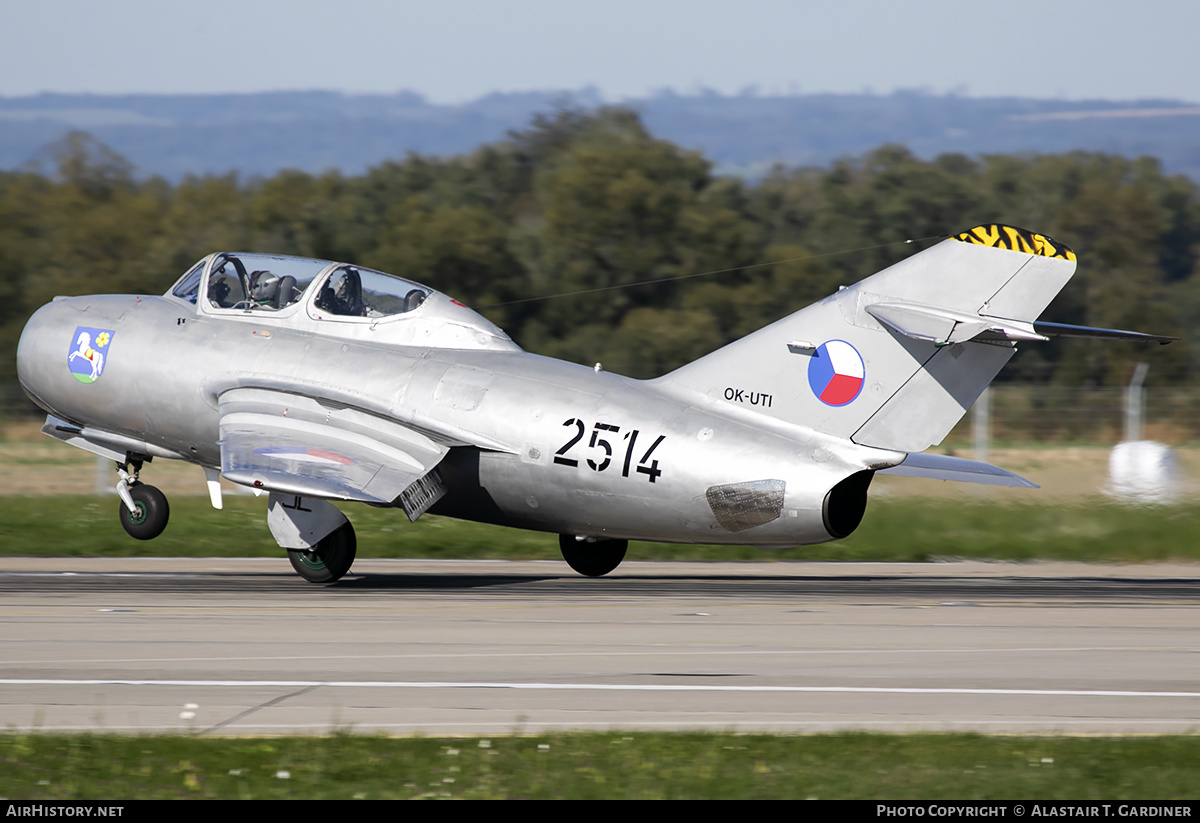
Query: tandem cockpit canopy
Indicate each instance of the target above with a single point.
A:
(259, 282)
(335, 299)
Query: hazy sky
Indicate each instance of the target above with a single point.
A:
(457, 50)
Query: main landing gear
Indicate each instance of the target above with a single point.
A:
(144, 510)
(319, 539)
(329, 559)
(592, 556)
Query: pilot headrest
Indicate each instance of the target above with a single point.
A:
(263, 284)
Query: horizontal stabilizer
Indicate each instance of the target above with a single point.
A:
(1064, 330)
(943, 326)
(941, 467)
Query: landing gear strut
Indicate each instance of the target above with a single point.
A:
(144, 510)
(592, 557)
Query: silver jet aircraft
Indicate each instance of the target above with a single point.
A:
(313, 381)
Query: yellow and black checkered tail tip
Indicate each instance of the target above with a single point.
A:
(1000, 236)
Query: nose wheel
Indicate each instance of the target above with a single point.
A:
(144, 511)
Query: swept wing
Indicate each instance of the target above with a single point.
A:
(292, 444)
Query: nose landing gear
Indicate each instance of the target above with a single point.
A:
(144, 510)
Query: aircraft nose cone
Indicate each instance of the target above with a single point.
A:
(36, 352)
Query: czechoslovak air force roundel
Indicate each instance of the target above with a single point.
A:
(835, 373)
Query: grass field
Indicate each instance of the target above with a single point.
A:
(57, 500)
(608, 765)
(39, 465)
(895, 529)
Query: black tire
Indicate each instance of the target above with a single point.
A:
(592, 558)
(152, 512)
(329, 559)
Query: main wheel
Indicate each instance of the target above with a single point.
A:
(329, 559)
(592, 558)
(152, 512)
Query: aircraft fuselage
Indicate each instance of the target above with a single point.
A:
(569, 449)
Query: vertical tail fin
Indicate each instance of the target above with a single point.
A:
(895, 360)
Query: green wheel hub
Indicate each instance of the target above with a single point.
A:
(138, 516)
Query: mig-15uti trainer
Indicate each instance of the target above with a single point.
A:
(313, 381)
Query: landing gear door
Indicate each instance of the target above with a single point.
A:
(301, 522)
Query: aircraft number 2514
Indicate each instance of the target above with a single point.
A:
(603, 449)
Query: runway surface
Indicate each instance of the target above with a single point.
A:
(477, 647)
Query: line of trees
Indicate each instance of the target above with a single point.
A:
(588, 200)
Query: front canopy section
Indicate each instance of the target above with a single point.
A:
(249, 282)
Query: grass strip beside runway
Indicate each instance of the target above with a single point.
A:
(631, 765)
(894, 530)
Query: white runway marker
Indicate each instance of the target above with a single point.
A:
(607, 687)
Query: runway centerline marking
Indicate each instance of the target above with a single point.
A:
(626, 687)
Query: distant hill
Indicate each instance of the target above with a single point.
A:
(174, 136)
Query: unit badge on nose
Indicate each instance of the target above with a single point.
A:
(88, 353)
(836, 372)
